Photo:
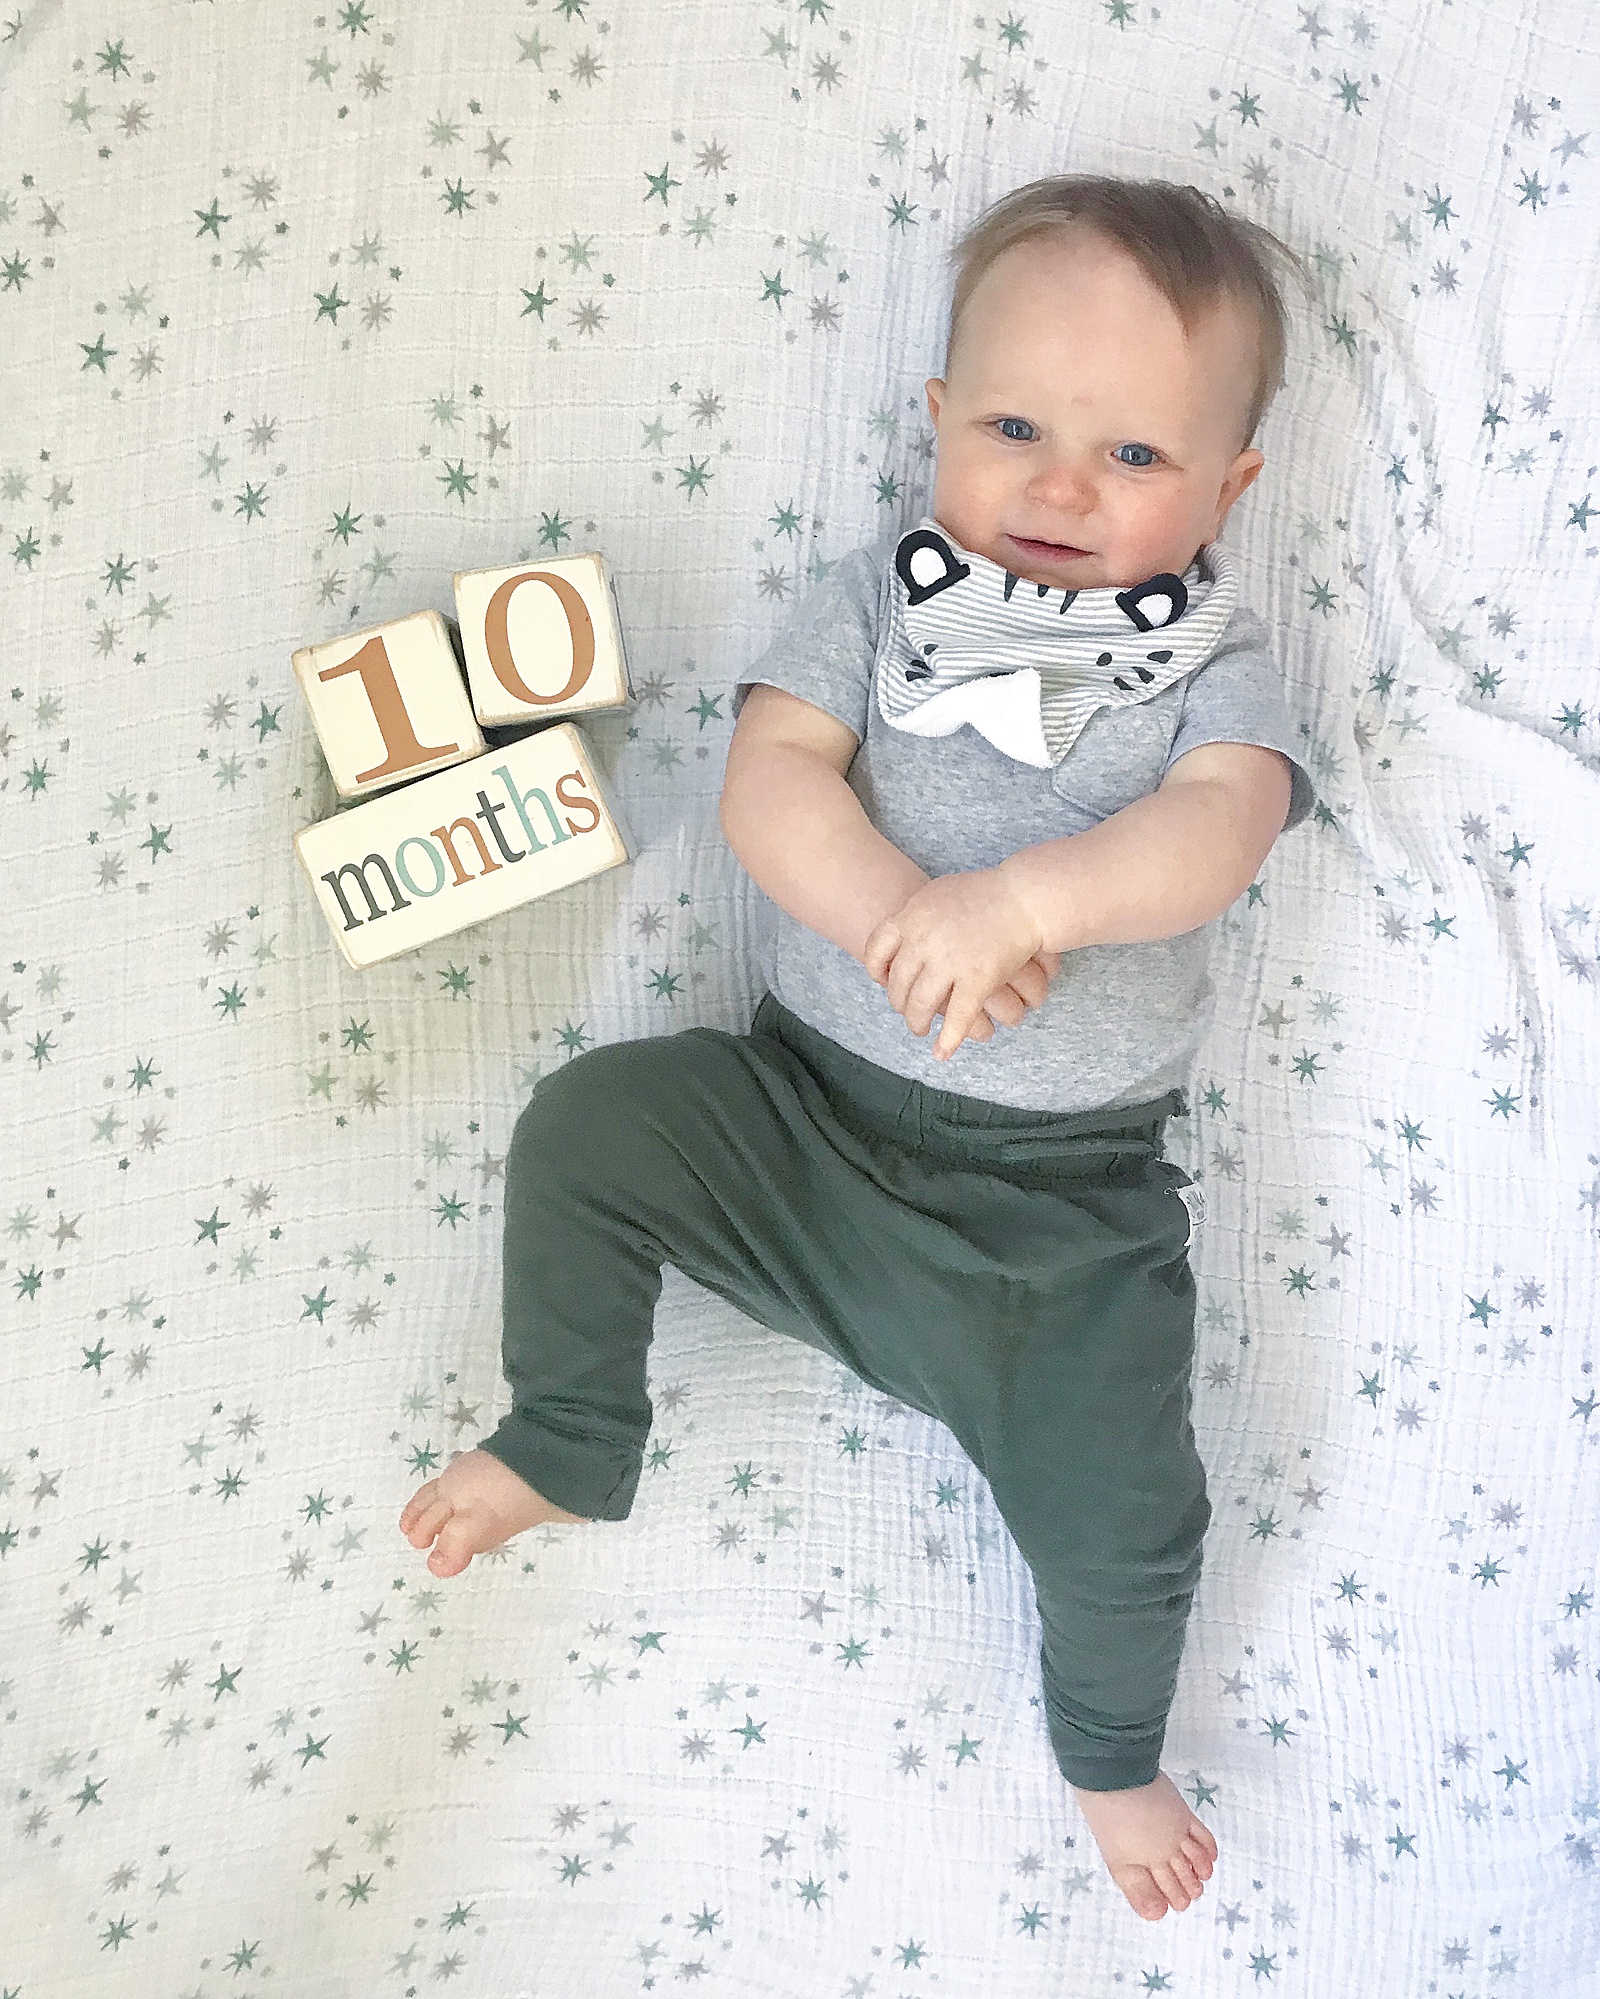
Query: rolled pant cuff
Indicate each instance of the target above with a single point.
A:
(1096, 1754)
(1116, 1770)
(580, 1476)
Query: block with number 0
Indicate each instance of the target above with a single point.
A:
(541, 639)
(389, 703)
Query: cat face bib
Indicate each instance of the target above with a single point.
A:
(969, 644)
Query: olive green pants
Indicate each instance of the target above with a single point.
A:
(1020, 1275)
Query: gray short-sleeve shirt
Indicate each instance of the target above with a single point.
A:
(1121, 1021)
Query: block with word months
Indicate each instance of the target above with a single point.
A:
(541, 639)
(470, 842)
(389, 703)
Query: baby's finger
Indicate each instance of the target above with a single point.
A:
(982, 1029)
(1030, 983)
(960, 1011)
(1005, 1006)
(925, 996)
(1050, 960)
(900, 977)
(879, 954)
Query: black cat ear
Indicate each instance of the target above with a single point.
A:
(937, 570)
(1161, 600)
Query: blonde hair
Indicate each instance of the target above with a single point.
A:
(1185, 242)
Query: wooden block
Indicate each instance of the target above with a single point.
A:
(541, 639)
(389, 703)
(466, 844)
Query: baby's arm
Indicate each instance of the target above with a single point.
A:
(1168, 862)
(1165, 864)
(800, 833)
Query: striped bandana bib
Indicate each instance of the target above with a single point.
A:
(967, 643)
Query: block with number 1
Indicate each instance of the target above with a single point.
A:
(389, 703)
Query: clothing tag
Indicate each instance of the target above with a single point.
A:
(1193, 1198)
(968, 643)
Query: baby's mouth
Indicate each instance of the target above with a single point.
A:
(1048, 550)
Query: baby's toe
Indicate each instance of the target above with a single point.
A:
(1187, 1874)
(1201, 1855)
(1144, 1896)
(420, 1524)
(1166, 1876)
(452, 1551)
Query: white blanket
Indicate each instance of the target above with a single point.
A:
(302, 311)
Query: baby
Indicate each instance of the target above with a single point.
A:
(997, 777)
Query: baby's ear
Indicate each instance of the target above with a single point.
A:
(1241, 475)
(934, 388)
(1242, 471)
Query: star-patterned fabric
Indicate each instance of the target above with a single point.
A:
(304, 310)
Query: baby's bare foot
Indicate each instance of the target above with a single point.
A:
(474, 1504)
(1158, 1852)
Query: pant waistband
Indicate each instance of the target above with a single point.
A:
(906, 1111)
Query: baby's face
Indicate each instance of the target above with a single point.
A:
(1084, 441)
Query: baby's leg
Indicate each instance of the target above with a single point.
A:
(693, 1149)
(1094, 1468)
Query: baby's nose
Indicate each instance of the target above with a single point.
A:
(1064, 484)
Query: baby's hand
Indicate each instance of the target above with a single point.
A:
(474, 1504)
(1008, 1006)
(957, 941)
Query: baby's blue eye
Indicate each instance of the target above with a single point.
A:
(1150, 460)
(1010, 435)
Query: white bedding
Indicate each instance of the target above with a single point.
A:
(303, 311)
